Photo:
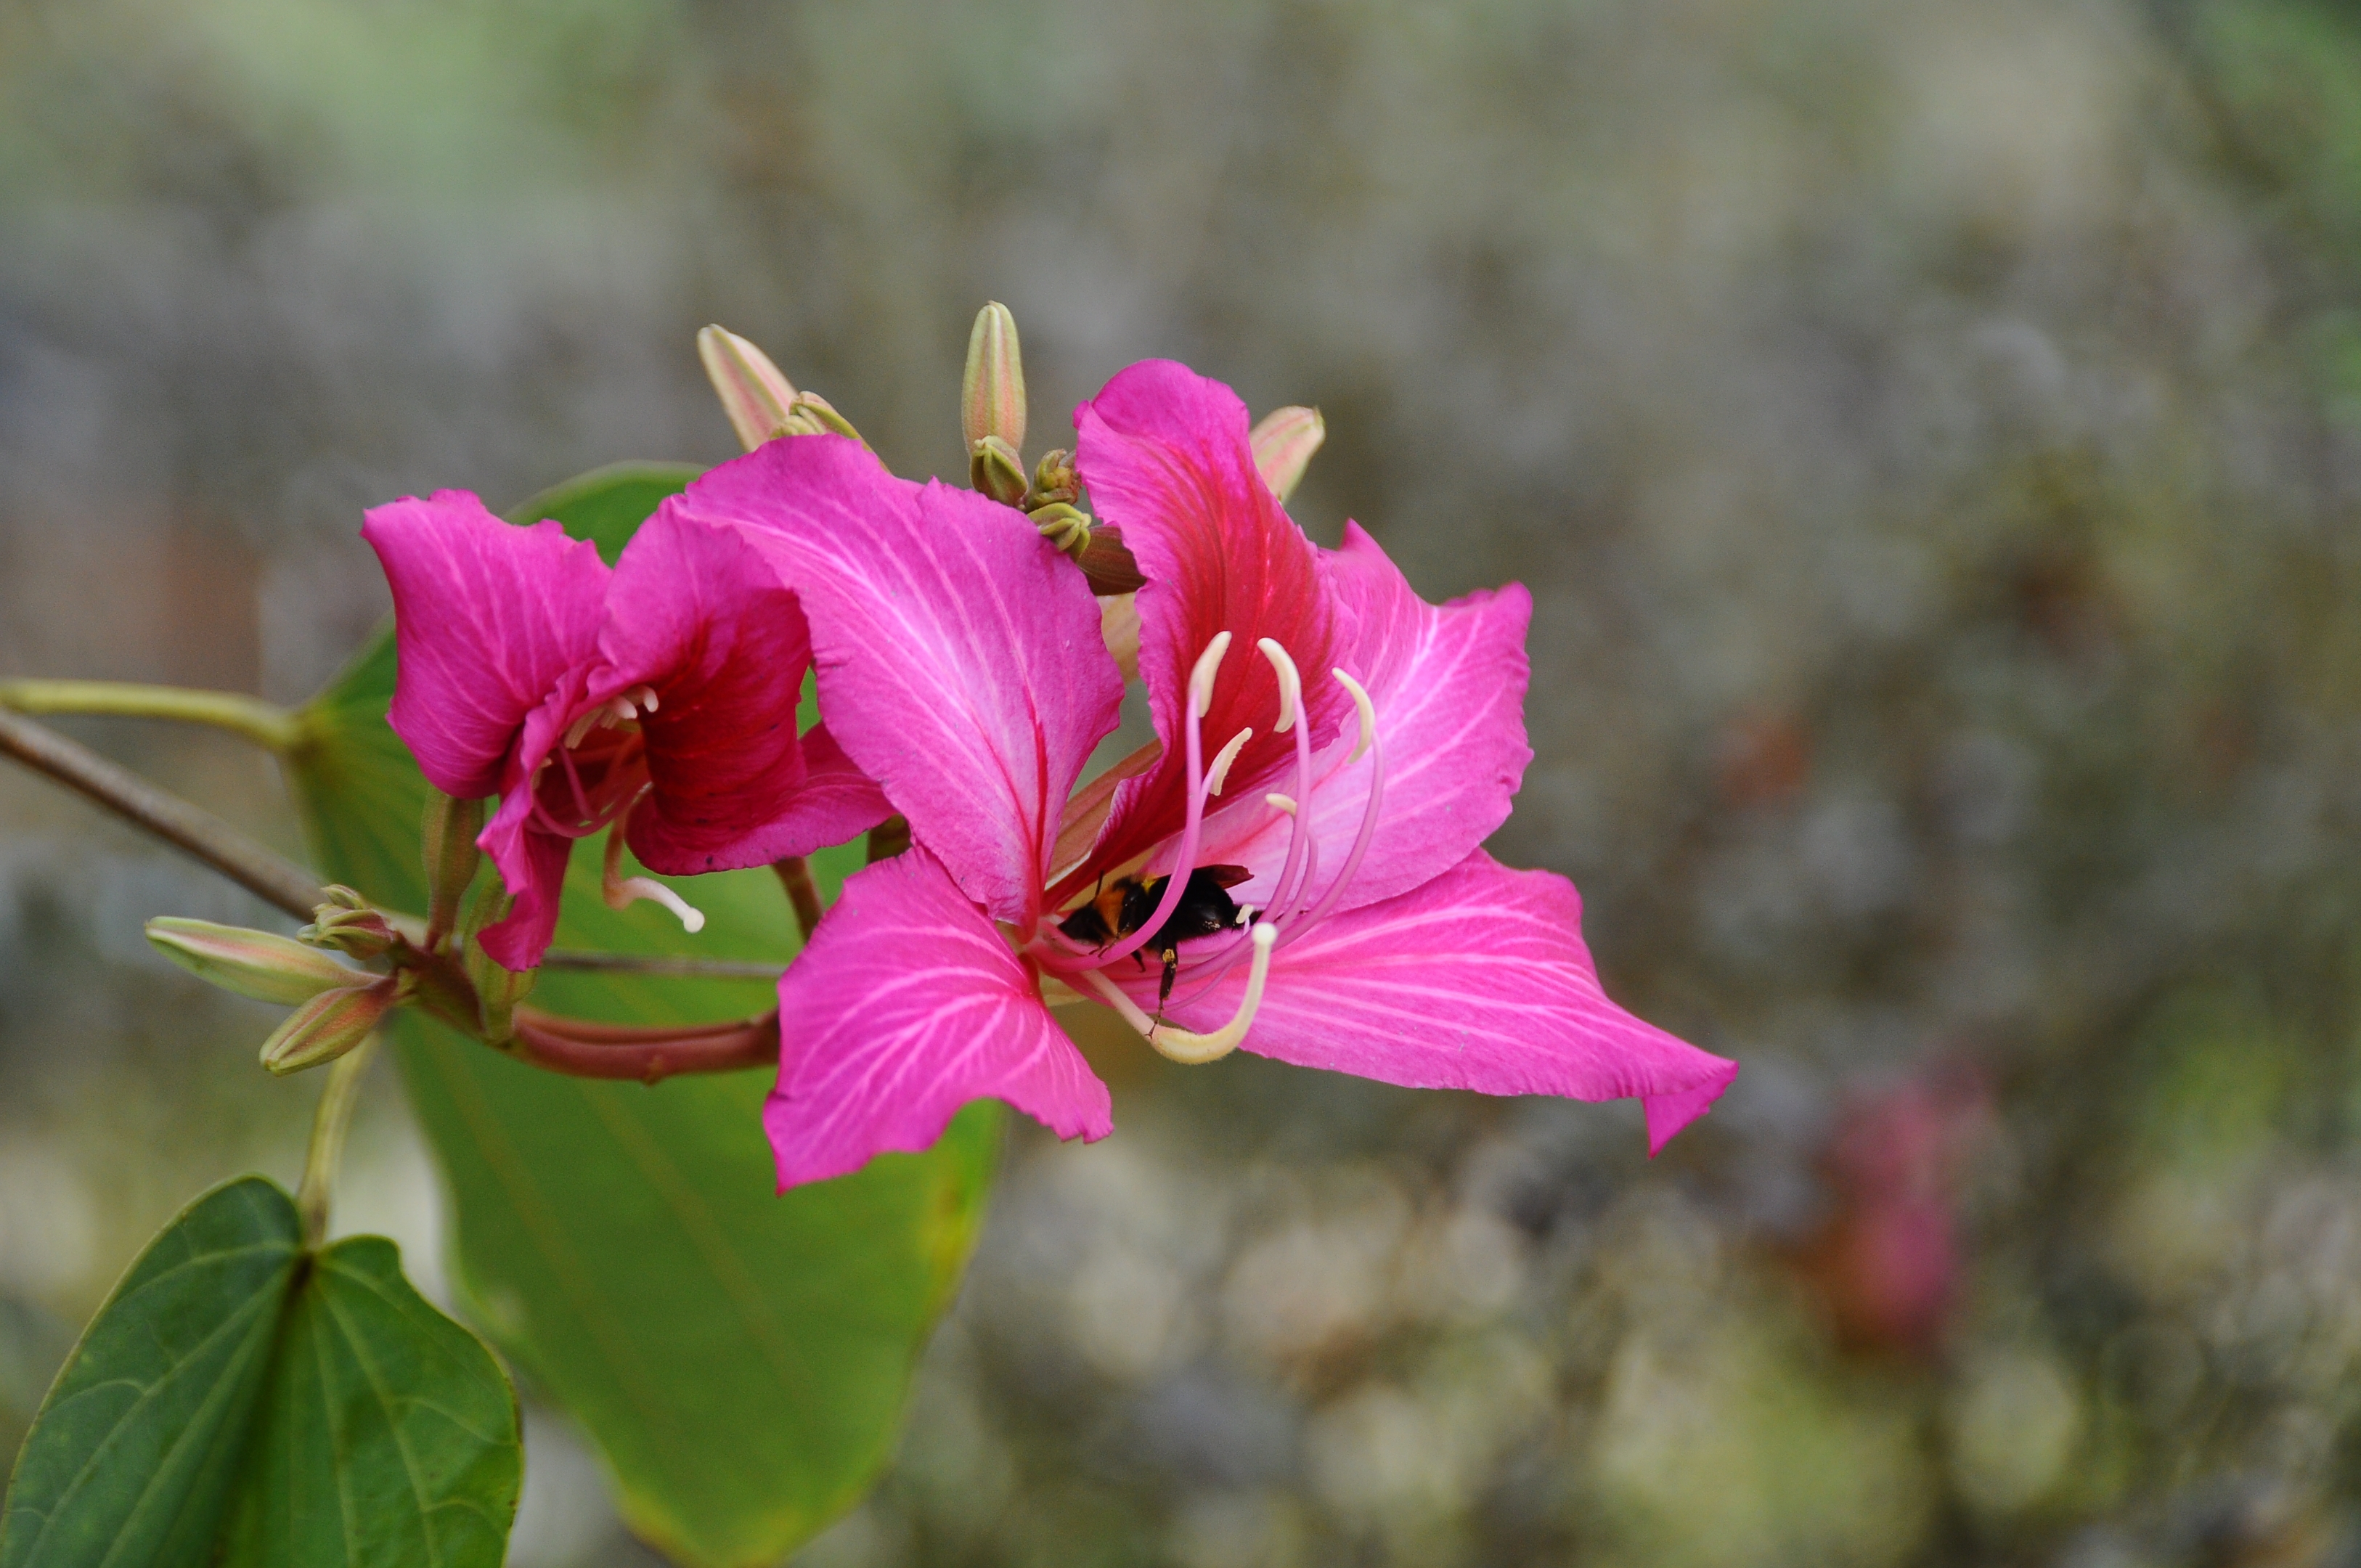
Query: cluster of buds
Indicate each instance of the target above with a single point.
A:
(395, 959)
(762, 404)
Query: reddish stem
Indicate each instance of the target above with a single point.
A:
(579, 1048)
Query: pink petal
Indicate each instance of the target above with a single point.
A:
(1166, 456)
(1480, 980)
(906, 1005)
(1448, 686)
(698, 615)
(487, 616)
(530, 858)
(961, 664)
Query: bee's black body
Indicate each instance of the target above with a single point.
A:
(1123, 906)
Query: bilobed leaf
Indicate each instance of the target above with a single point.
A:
(240, 1401)
(131, 1459)
(740, 1357)
(387, 1436)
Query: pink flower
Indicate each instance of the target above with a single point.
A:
(1345, 745)
(658, 697)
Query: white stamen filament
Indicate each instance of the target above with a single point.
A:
(1290, 685)
(1201, 678)
(1219, 774)
(622, 892)
(1176, 884)
(1281, 802)
(1184, 1046)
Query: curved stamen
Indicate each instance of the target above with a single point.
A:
(1176, 882)
(1291, 700)
(621, 892)
(1296, 923)
(1185, 1046)
(1368, 811)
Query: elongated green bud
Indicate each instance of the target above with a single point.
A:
(449, 842)
(991, 390)
(996, 470)
(1283, 445)
(330, 1024)
(348, 925)
(252, 963)
(754, 394)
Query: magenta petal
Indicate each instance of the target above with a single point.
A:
(1166, 456)
(1480, 980)
(1448, 684)
(960, 659)
(487, 616)
(906, 1005)
(696, 613)
(530, 858)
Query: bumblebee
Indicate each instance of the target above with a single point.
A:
(1124, 905)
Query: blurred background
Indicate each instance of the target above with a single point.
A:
(1932, 434)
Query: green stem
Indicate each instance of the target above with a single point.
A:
(266, 724)
(329, 1123)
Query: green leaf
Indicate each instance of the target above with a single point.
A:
(740, 1358)
(240, 1401)
(388, 1435)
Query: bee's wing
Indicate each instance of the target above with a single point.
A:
(1226, 876)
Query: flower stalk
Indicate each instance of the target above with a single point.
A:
(330, 1120)
(266, 724)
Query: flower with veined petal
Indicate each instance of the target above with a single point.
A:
(1365, 743)
(658, 700)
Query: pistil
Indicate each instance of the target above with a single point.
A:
(621, 892)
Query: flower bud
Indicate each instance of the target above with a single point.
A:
(1066, 527)
(992, 390)
(996, 470)
(329, 1024)
(1054, 480)
(252, 963)
(754, 395)
(361, 933)
(812, 414)
(1283, 445)
(449, 842)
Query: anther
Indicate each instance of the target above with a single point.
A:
(1290, 684)
(1366, 708)
(1219, 773)
(1201, 679)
